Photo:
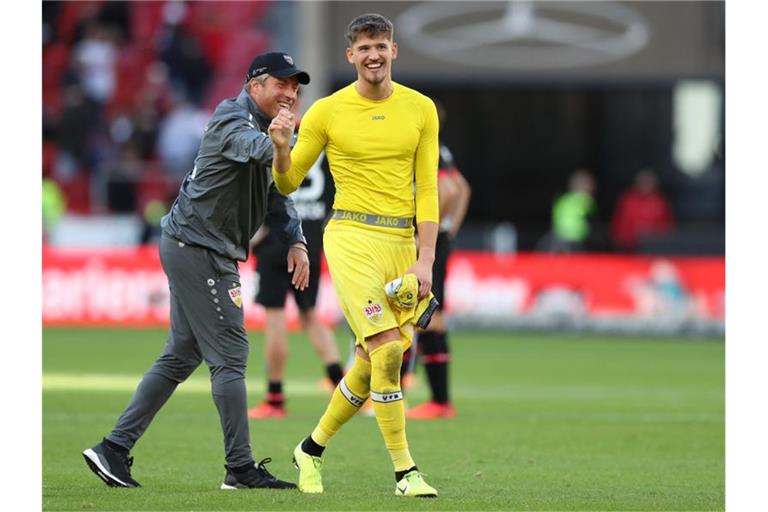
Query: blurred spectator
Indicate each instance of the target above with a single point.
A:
(641, 210)
(121, 177)
(180, 135)
(54, 205)
(115, 16)
(78, 118)
(109, 92)
(50, 15)
(145, 123)
(96, 61)
(141, 125)
(151, 216)
(572, 215)
(182, 53)
(662, 294)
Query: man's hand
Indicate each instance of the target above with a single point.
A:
(423, 271)
(298, 263)
(281, 129)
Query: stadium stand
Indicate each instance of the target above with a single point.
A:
(152, 41)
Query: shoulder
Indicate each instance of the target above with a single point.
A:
(230, 107)
(335, 100)
(414, 97)
(231, 113)
(321, 105)
(421, 106)
(323, 109)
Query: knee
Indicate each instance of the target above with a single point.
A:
(227, 373)
(386, 361)
(360, 371)
(174, 368)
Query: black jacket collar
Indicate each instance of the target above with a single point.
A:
(245, 100)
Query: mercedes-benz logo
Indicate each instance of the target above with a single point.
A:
(524, 35)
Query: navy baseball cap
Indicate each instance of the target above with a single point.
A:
(277, 64)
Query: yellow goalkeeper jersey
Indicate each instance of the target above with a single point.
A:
(383, 154)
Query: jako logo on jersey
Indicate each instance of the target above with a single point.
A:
(373, 312)
(236, 296)
(359, 217)
(387, 221)
(377, 118)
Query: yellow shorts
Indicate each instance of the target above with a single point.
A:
(361, 261)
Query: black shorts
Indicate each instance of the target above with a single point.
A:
(274, 281)
(442, 251)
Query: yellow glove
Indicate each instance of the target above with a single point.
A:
(403, 292)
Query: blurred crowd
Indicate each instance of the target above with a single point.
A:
(127, 90)
(642, 212)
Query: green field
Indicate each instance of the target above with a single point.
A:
(545, 422)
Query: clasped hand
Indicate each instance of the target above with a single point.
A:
(281, 128)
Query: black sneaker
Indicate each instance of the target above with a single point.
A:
(256, 477)
(112, 466)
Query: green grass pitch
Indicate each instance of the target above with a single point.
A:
(546, 422)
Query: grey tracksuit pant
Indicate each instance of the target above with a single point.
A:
(206, 324)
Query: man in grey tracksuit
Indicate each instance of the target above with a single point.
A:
(221, 203)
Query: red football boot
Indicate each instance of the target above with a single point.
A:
(431, 411)
(266, 410)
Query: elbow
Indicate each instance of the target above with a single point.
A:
(283, 183)
(284, 188)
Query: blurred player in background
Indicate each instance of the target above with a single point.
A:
(222, 201)
(312, 202)
(380, 138)
(454, 193)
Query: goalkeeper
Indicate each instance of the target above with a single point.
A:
(380, 138)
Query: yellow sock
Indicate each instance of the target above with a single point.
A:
(387, 401)
(346, 400)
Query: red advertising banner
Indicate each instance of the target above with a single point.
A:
(607, 284)
(127, 287)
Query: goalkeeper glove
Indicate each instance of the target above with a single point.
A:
(403, 292)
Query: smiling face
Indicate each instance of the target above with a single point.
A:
(372, 56)
(274, 93)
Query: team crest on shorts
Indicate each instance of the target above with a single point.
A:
(373, 312)
(236, 296)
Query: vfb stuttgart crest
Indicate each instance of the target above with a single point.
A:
(236, 295)
(373, 312)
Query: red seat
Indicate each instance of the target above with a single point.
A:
(55, 61)
(219, 25)
(70, 16)
(238, 52)
(146, 21)
(49, 156)
(131, 74)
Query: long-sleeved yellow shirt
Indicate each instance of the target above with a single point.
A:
(377, 150)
